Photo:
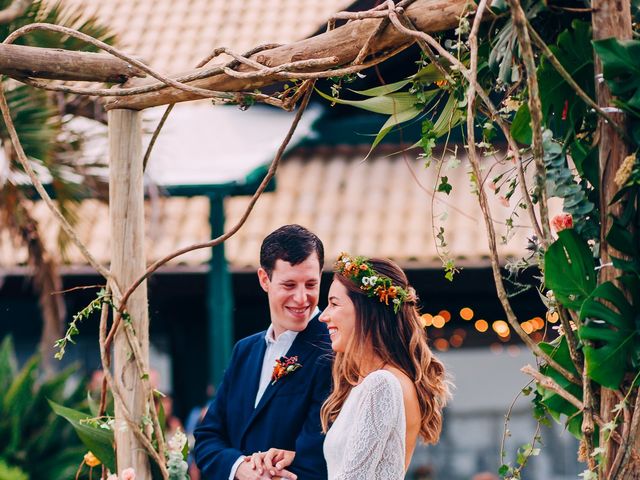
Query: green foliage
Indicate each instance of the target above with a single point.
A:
(569, 269)
(405, 106)
(562, 110)
(621, 68)
(32, 438)
(560, 183)
(72, 329)
(550, 401)
(11, 473)
(611, 325)
(96, 436)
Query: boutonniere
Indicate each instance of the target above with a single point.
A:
(283, 367)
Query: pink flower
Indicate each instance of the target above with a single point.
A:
(562, 221)
(128, 474)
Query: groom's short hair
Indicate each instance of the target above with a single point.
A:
(291, 243)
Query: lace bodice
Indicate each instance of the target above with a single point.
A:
(367, 440)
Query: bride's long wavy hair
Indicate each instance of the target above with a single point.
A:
(399, 340)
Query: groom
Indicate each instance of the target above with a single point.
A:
(277, 379)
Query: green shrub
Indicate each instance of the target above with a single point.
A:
(35, 443)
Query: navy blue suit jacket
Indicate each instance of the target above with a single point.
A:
(287, 416)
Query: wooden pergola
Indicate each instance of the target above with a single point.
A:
(334, 49)
(363, 41)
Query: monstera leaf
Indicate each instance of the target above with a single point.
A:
(611, 324)
(569, 269)
(555, 404)
(620, 68)
(562, 109)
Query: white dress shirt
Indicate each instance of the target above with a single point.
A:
(276, 348)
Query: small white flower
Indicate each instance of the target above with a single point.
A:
(365, 280)
(396, 301)
(178, 441)
(589, 475)
(373, 279)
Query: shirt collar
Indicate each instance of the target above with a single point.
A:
(269, 337)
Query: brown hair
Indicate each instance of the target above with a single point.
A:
(400, 341)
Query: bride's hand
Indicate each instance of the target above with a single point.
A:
(276, 460)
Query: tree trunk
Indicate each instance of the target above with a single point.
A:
(610, 18)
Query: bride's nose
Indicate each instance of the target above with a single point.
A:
(324, 317)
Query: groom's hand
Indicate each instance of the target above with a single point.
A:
(271, 464)
(246, 471)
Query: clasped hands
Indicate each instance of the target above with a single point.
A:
(267, 465)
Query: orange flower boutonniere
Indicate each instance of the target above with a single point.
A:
(283, 367)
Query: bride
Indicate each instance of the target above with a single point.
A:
(388, 388)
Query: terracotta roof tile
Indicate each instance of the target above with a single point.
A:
(372, 207)
(174, 35)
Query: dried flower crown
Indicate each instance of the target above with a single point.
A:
(360, 272)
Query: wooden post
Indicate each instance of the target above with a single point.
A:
(126, 208)
(610, 18)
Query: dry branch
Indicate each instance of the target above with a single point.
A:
(54, 63)
(344, 43)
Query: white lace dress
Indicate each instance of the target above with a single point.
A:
(367, 440)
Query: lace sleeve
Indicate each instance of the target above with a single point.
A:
(377, 418)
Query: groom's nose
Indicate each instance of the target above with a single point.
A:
(300, 294)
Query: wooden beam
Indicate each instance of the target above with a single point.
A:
(18, 61)
(344, 43)
(126, 212)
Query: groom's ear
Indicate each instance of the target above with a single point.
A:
(263, 278)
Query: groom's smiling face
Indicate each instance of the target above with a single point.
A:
(293, 292)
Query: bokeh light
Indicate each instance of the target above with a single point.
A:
(481, 325)
(438, 321)
(441, 344)
(427, 319)
(466, 313)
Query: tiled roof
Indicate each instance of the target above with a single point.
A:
(174, 36)
(372, 207)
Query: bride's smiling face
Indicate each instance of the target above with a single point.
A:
(340, 317)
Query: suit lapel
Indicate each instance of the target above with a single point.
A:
(302, 347)
(253, 371)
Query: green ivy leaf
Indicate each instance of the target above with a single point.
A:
(445, 186)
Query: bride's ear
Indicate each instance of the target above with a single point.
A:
(263, 278)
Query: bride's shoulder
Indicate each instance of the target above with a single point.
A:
(382, 379)
(409, 393)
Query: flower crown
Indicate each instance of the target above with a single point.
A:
(360, 272)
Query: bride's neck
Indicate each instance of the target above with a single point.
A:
(370, 362)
